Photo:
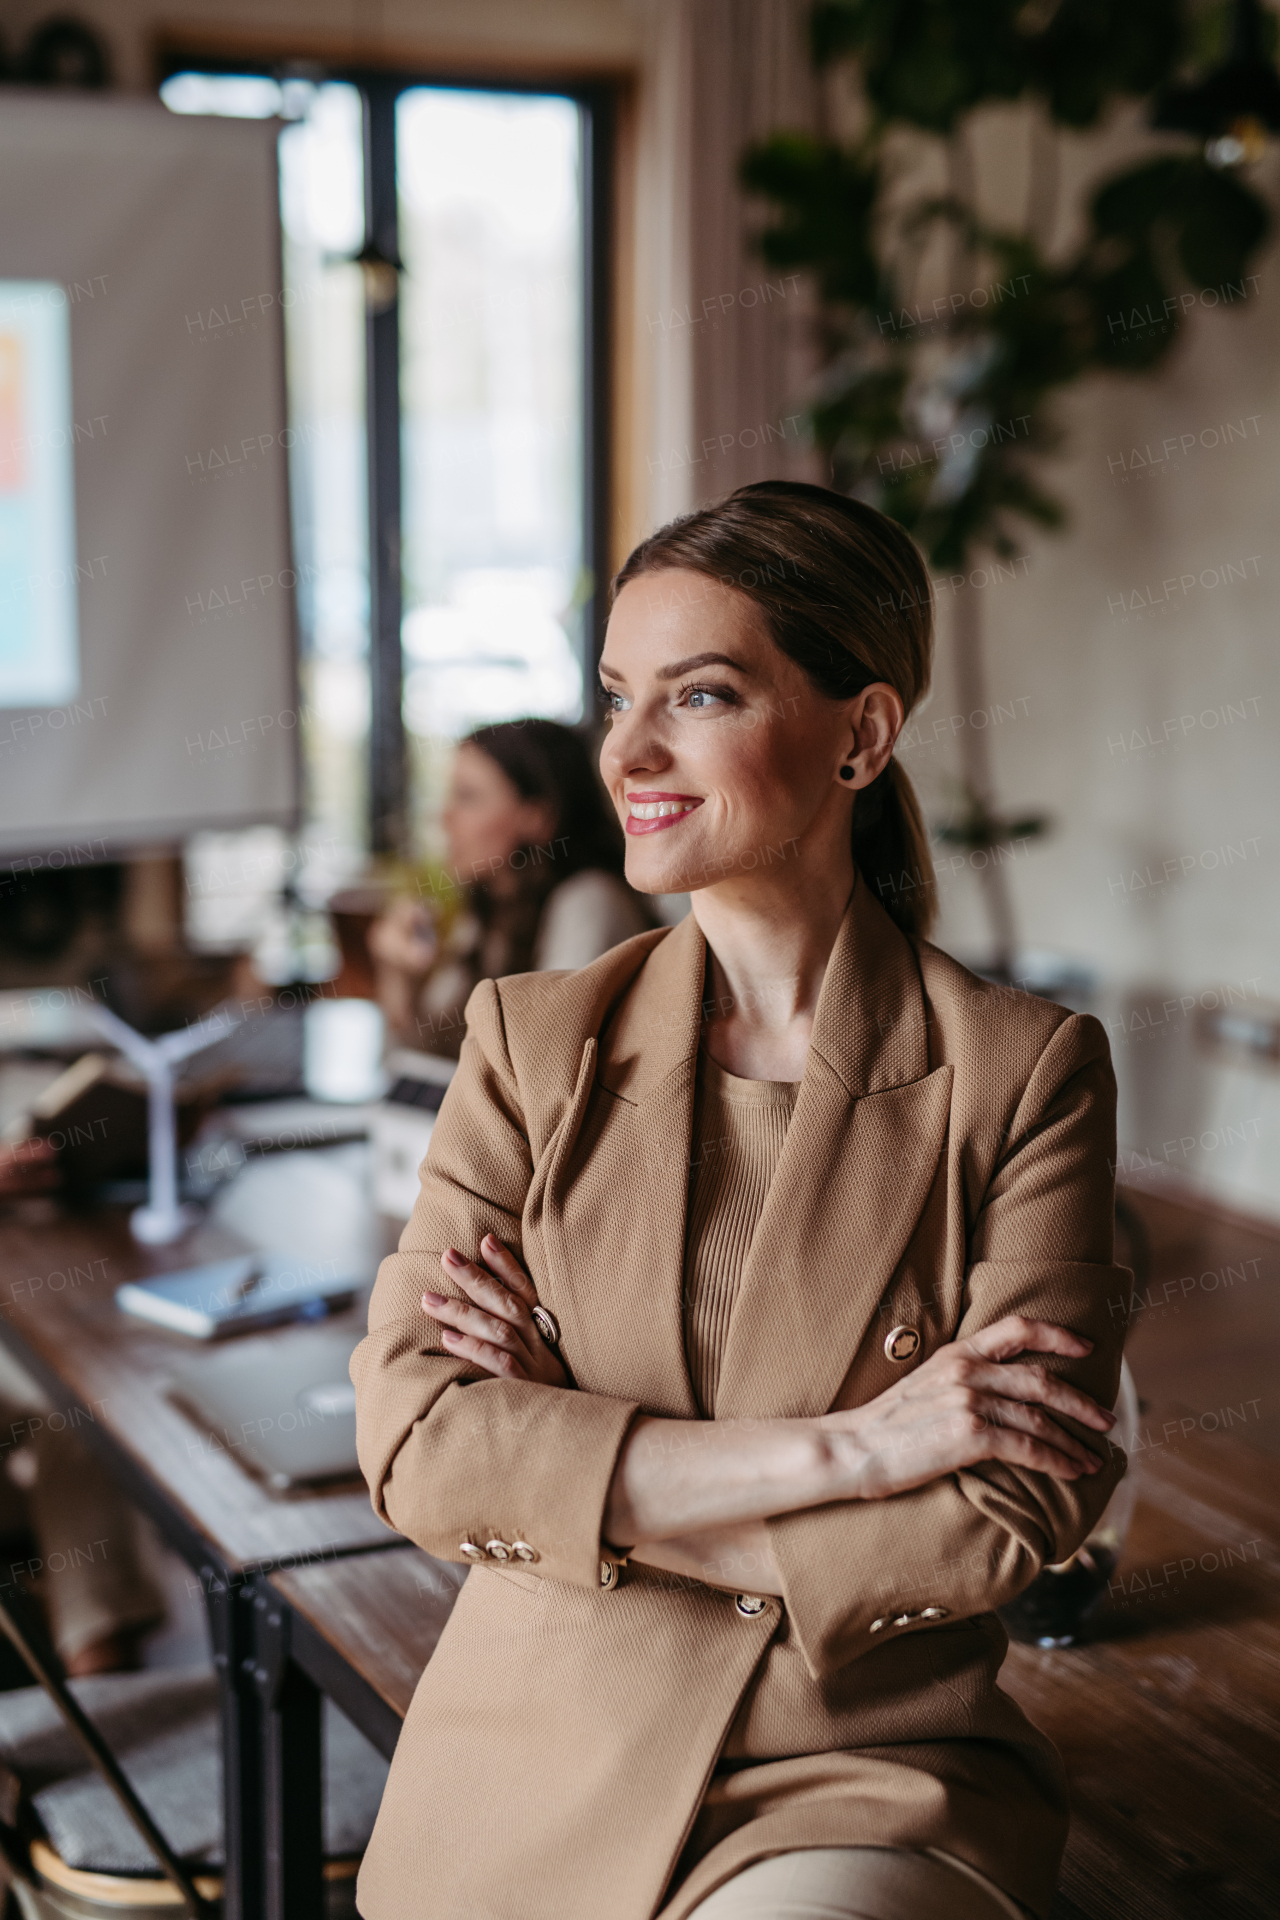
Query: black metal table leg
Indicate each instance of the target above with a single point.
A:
(292, 1770)
(231, 1620)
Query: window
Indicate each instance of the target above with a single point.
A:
(491, 409)
(443, 313)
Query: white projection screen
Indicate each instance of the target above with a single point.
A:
(147, 621)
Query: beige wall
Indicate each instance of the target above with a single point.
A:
(1161, 869)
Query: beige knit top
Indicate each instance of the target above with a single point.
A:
(738, 1130)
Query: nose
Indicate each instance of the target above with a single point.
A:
(633, 745)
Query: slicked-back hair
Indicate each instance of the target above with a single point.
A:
(845, 594)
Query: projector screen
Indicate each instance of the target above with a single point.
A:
(147, 621)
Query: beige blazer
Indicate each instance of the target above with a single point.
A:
(591, 1739)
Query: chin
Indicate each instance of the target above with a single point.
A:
(653, 868)
(651, 876)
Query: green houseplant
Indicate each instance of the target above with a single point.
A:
(939, 410)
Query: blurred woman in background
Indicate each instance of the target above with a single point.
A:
(536, 860)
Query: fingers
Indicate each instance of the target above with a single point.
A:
(501, 1363)
(487, 1292)
(490, 1314)
(982, 1427)
(459, 1316)
(1031, 1384)
(1016, 1334)
(491, 1326)
(1017, 1416)
(1019, 1449)
(472, 1334)
(508, 1269)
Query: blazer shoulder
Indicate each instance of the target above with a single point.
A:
(547, 1018)
(1002, 1033)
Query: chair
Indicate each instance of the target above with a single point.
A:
(71, 1851)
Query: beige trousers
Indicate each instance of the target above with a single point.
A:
(858, 1883)
(90, 1564)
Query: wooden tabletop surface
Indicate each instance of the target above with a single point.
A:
(58, 1276)
(382, 1613)
(1168, 1716)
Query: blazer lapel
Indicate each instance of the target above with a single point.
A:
(861, 1154)
(626, 1138)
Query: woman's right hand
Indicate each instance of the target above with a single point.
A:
(971, 1401)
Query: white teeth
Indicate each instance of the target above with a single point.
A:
(659, 809)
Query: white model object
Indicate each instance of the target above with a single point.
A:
(163, 1218)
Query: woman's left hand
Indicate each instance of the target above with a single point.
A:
(494, 1327)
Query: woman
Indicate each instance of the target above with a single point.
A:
(771, 1348)
(536, 867)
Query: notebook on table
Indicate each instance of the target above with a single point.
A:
(240, 1295)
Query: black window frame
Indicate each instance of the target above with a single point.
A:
(380, 88)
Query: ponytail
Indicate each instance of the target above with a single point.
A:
(846, 595)
(892, 852)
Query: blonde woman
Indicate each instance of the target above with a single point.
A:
(750, 1337)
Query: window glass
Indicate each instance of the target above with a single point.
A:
(322, 207)
(491, 418)
(492, 366)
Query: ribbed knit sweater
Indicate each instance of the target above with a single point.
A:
(738, 1130)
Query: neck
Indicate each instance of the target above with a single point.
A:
(769, 941)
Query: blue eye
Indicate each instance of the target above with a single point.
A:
(701, 698)
(614, 702)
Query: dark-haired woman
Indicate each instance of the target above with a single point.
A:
(750, 1337)
(534, 878)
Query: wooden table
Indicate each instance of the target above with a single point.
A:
(1168, 1717)
(59, 1319)
(109, 1374)
(364, 1630)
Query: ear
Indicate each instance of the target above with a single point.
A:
(876, 719)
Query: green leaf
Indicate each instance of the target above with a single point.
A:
(929, 62)
(826, 196)
(1090, 51)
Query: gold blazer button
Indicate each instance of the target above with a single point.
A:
(497, 1549)
(903, 1344)
(878, 1626)
(608, 1573)
(523, 1551)
(546, 1324)
(934, 1613)
(470, 1551)
(749, 1605)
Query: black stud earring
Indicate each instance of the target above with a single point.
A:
(846, 773)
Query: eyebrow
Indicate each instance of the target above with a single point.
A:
(690, 665)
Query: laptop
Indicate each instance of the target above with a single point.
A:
(284, 1408)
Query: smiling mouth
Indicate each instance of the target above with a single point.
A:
(651, 812)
